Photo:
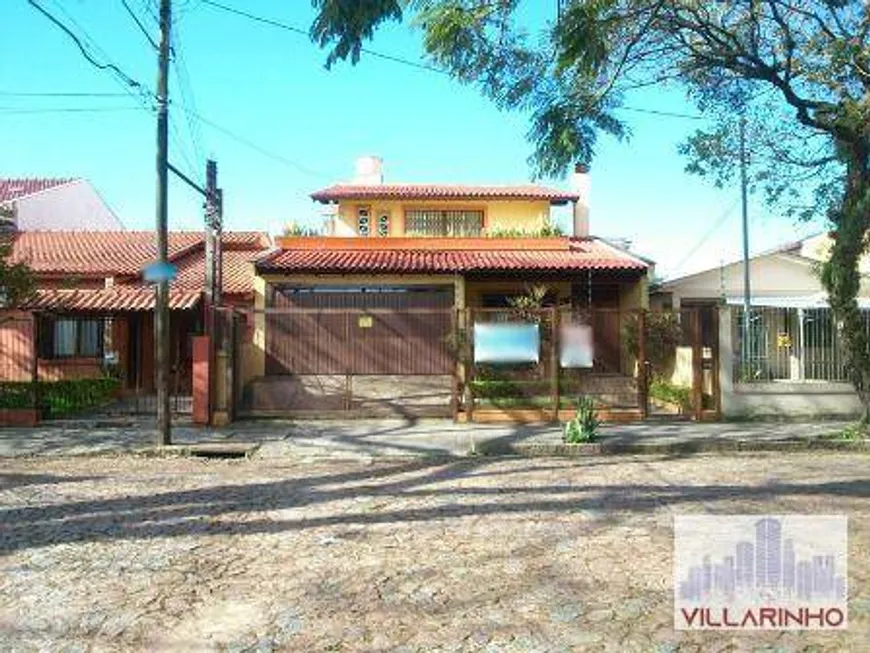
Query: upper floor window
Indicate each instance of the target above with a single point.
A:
(383, 224)
(363, 221)
(439, 222)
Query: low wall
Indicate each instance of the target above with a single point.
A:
(330, 393)
(799, 399)
(787, 399)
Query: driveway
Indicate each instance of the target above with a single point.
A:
(376, 438)
(462, 555)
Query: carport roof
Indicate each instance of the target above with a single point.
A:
(566, 255)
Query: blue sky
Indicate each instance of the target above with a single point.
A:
(269, 87)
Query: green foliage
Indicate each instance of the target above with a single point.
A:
(583, 427)
(58, 398)
(663, 334)
(294, 229)
(548, 230)
(672, 394)
(852, 433)
(527, 307)
(16, 281)
(796, 75)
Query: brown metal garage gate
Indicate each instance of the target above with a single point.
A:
(380, 350)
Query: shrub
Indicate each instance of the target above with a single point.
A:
(674, 394)
(663, 334)
(583, 427)
(292, 229)
(58, 398)
(548, 230)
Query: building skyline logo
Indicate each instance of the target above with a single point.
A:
(760, 571)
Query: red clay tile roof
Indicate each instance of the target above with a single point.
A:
(125, 254)
(117, 298)
(238, 271)
(582, 254)
(442, 192)
(110, 253)
(12, 189)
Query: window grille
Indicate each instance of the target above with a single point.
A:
(437, 222)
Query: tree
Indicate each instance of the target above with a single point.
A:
(797, 72)
(16, 281)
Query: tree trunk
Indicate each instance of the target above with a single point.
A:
(841, 275)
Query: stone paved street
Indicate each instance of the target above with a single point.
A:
(367, 438)
(492, 554)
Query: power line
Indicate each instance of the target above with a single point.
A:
(187, 95)
(139, 24)
(298, 30)
(125, 81)
(14, 110)
(667, 114)
(66, 94)
(713, 228)
(254, 146)
(84, 51)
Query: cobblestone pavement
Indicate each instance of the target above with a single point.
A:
(378, 437)
(131, 553)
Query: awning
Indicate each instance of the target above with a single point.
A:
(817, 300)
(109, 300)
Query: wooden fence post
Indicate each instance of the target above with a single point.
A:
(470, 367)
(348, 387)
(34, 363)
(714, 370)
(697, 366)
(456, 356)
(554, 360)
(642, 370)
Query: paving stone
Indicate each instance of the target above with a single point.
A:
(128, 553)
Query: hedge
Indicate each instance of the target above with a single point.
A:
(58, 398)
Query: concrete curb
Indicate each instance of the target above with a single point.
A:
(201, 450)
(717, 445)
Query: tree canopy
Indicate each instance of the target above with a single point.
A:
(16, 281)
(796, 73)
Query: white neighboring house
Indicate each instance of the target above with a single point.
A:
(65, 204)
(793, 363)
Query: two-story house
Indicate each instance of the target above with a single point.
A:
(371, 314)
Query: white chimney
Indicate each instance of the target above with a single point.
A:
(581, 184)
(369, 171)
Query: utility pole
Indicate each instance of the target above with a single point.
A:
(161, 310)
(211, 217)
(747, 298)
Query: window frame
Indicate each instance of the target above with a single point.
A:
(358, 210)
(408, 210)
(48, 340)
(383, 214)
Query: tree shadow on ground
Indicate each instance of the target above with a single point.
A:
(11, 481)
(409, 491)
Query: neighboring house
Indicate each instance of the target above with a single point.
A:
(365, 312)
(67, 204)
(92, 309)
(794, 361)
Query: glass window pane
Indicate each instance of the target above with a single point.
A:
(89, 333)
(65, 338)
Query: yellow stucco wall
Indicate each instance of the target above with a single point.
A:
(521, 215)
